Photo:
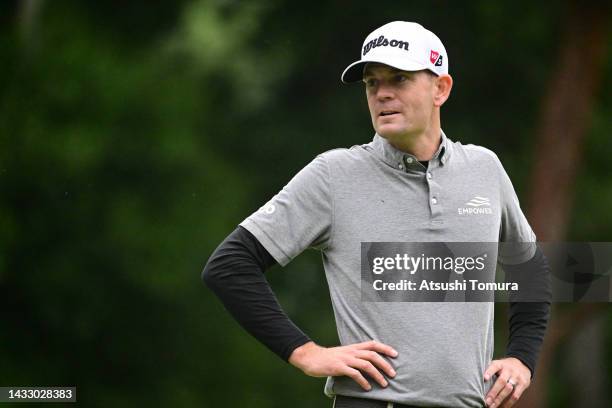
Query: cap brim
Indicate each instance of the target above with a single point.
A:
(354, 72)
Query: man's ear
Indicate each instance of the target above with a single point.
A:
(442, 88)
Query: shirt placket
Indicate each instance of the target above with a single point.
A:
(434, 189)
(410, 163)
(435, 196)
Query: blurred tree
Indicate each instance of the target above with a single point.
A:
(111, 197)
(566, 115)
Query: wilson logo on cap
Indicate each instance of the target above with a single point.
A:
(383, 42)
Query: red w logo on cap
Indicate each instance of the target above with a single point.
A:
(433, 56)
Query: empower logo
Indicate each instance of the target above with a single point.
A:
(479, 202)
(477, 205)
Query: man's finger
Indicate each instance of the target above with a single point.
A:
(495, 390)
(358, 377)
(377, 346)
(501, 397)
(503, 394)
(377, 360)
(368, 368)
(516, 395)
(494, 367)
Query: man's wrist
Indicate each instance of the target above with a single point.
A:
(522, 361)
(298, 355)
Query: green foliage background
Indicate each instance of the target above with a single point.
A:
(135, 136)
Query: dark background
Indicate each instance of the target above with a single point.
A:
(134, 136)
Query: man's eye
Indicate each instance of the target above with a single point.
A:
(370, 82)
(400, 78)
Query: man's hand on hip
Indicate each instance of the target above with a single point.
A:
(513, 378)
(351, 361)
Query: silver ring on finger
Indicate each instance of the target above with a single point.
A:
(511, 382)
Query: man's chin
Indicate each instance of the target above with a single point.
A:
(392, 133)
(388, 133)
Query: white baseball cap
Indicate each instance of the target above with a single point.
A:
(402, 45)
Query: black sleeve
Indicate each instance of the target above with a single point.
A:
(529, 314)
(235, 273)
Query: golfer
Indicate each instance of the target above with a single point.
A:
(410, 183)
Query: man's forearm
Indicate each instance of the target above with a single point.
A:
(528, 323)
(235, 273)
(528, 319)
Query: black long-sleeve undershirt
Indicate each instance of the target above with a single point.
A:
(235, 273)
(529, 314)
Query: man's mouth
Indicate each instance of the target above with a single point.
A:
(388, 113)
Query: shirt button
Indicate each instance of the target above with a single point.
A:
(434, 200)
(409, 160)
(429, 176)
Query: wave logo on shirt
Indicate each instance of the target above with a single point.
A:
(477, 205)
(478, 201)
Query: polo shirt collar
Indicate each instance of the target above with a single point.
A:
(400, 160)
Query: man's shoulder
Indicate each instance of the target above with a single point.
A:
(343, 155)
(475, 154)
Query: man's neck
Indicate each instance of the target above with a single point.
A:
(423, 146)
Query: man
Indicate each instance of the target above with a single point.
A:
(409, 184)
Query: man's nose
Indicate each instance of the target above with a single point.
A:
(384, 91)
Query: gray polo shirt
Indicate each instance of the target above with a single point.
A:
(376, 193)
